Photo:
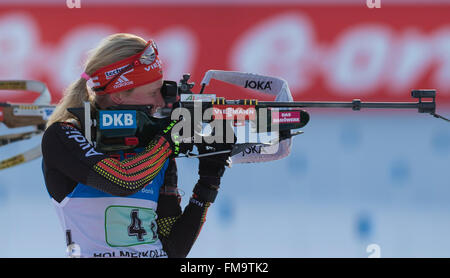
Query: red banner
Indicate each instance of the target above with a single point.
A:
(325, 52)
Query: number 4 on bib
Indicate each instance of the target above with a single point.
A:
(128, 226)
(135, 228)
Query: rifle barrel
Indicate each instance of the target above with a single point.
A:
(356, 104)
(319, 104)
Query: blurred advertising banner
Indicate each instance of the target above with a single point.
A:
(325, 52)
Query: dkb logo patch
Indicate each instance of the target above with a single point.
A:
(116, 119)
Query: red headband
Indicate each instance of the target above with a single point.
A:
(140, 69)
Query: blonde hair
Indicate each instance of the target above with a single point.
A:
(110, 50)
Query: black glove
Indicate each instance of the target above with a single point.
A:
(213, 165)
(211, 169)
(176, 144)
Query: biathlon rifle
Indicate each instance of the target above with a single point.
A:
(261, 123)
(23, 120)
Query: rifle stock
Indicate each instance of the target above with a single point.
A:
(19, 115)
(24, 115)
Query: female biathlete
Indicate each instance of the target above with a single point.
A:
(127, 207)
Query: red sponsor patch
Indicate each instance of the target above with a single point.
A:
(285, 117)
(1, 114)
(234, 112)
